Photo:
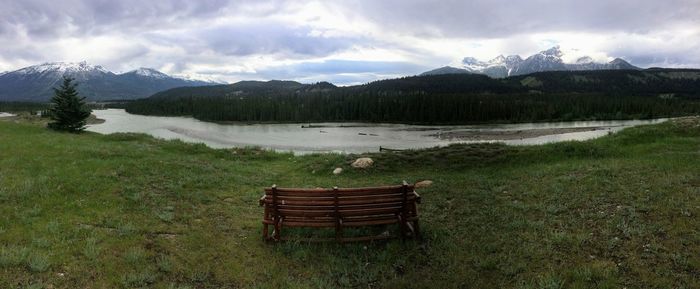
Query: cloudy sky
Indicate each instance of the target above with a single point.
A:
(345, 42)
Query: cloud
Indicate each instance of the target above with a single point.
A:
(337, 71)
(350, 41)
(254, 38)
(503, 18)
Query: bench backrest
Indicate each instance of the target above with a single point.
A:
(340, 202)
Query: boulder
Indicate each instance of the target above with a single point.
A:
(362, 163)
(424, 184)
(337, 171)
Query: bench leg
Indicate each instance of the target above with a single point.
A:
(339, 231)
(265, 232)
(278, 227)
(417, 229)
(402, 227)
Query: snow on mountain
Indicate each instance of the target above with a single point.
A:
(62, 67)
(200, 77)
(35, 83)
(546, 60)
(149, 72)
(501, 66)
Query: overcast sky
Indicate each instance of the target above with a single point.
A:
(344, 42)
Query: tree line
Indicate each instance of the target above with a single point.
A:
(445, 99)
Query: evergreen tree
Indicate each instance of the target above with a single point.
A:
(69, 111)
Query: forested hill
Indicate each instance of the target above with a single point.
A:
(243, 88)
(450, 98)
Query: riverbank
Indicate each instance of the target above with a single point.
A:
(501, 135)
(131, 211)
(26, 117)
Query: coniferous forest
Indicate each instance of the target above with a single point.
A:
(448, 99)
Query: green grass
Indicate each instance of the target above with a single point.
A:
(130, 211)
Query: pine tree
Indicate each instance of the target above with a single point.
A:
(69, 111)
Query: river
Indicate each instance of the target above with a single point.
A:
(350, 137)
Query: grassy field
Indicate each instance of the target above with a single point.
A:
(130, 211)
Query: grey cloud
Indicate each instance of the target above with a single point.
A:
(257, 38)
(181, 34)
(337, 71)
(688, 56)
(502, 18)
(43, 19)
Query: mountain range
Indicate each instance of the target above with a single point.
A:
(36, 83)
(547, 60)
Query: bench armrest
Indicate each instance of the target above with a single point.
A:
(261, 202)
(417, 197)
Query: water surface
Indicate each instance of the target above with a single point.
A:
(347, 137)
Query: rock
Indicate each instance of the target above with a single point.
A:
(362, 163)
(337, 171)
(424, 184)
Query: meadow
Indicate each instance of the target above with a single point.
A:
(130, 211)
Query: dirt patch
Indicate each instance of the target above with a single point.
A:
(92, 119)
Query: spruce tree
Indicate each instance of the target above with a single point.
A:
(69, 111)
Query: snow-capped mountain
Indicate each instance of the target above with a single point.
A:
(35, 83)
(501, 66)
(63, 67)
(149, 72)
(547, 60)
(200, 78)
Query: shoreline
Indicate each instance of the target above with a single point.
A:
(502, 135)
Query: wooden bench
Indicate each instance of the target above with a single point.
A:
(340, 208)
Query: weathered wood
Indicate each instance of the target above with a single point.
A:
(293, 192)
(342, 201)
(276, 215)
(339, 208)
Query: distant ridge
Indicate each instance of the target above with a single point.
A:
(546, 60)
(446, 70)
(35, 83)
(608, 82)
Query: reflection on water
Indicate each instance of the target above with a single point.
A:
(5, 114)
(338, 137)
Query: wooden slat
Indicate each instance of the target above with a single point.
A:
(269, 189)
(302, 213)
(343, 192)
(343, 213)
(370, 212)
(340, 208)
(346, 239)
(385, 221)
(305, 207)
(342, 201)
(327, 224)
(347, 219)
